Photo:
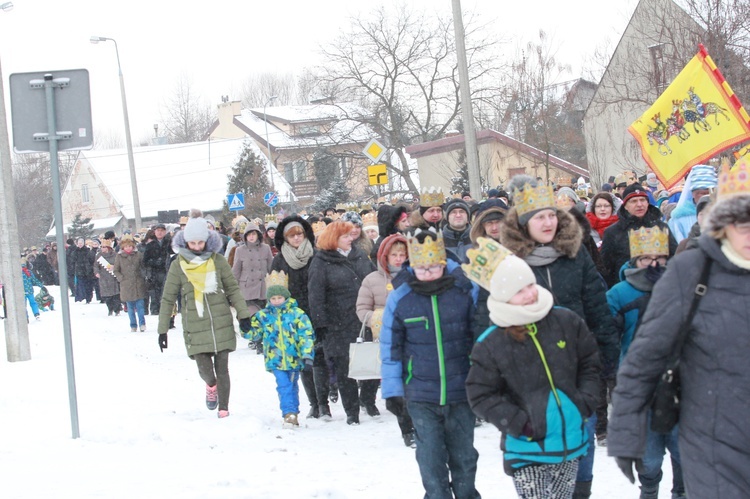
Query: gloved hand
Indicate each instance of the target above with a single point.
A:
(626, 466)
(162, 341)
(308, 366)
(245, 325)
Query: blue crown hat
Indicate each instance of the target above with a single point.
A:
(703, 177)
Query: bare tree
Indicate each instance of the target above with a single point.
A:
(258, 87)
(400, 65)
(185, 116)
(109, 139)
(32, 183)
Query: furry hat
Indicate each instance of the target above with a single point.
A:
(732, 210)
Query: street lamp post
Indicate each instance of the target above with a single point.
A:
(16, 329)
(268, 144)
(128, 141)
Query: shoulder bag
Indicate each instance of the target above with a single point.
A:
(665, 404)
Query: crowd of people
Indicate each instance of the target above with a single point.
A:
(549, 313)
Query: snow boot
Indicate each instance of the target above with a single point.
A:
(290, 420)
(325, 412)
(314, 412)
(410, 440)
(222, 414)
(212, 397)
(582, 490)
(650, 491)
(333, 393)
(353, 420)
(372, 410)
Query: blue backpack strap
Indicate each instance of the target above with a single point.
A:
(486, 333)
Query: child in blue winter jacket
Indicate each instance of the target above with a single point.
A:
(287, 336)
(29, 281)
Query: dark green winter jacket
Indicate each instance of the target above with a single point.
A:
(214, 331)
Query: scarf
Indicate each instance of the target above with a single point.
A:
(601, 224)
(200, 271)
(297, 257)
(639, 279)
(344, 252)
(541, 256)
(506, 315)
(436, 287)
(733, 256)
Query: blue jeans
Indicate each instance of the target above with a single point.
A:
(133, 307)
(586, 464)
(445, 453)
(656, 444)
(287, 387)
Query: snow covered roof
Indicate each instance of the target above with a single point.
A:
(345, 119)
(176, 176)
(100, 225)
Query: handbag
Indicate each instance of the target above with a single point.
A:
(665, 404)
(364, 356)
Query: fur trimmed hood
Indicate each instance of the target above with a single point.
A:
(278, 239)
(567, 240)
(213, 244)
(735, 209)
(477, 227)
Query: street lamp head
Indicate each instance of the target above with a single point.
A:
(7, 6)
(97, 39)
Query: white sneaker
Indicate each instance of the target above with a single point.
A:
(143, 328)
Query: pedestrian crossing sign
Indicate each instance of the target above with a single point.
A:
(236, 202)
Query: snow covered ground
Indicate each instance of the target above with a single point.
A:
(145, 430)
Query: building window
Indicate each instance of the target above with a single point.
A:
(659, 67)
(85, 193)
(344, 168)
(308, 130)
(295, 171)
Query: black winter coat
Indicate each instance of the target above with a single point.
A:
(572, 279)
(714, 371)
(333, 286)
(81, 260)
(615, 249)
(156, 258)
(508, 384)
(298, 278)
(457, 242)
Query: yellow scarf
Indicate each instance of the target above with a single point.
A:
(202, 275)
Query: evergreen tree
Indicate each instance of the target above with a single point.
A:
(460, 183)
(337, 192)
(80, 227)
(250, 177)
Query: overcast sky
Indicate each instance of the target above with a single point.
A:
(218, 44)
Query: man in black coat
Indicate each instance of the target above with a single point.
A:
(456, 229)
(155, 260)
(635, 212)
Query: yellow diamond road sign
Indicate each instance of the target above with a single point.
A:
(377, 174)
(374, 150)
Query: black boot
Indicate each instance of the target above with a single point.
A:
(325, 412)
(582, 490)
(410, 440)
(314, 412)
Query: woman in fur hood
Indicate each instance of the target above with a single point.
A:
(550, 241)
(203, 279)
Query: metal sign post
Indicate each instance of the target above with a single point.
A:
(75, 111)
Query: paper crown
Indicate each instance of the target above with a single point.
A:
(533, 198)
(483, 260)
(370, 219)
(428, 253)
(318, 228)
(277, 278)
(734, 181)
(347, 206)
(270, 218)
(431, 197)
(648, 241)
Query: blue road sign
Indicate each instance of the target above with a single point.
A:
(236, 202)
(271, 199)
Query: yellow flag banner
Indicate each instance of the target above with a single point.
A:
(695, 118)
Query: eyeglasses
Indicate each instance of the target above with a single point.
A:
(649, 260)
(434, 269)
(743, 229)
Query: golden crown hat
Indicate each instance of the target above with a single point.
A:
(376, 323)
(431, 197)
(734, 181)
(370, 219)
(430, 252)
(277, 278)
(318, 228)
(270, 217)
(648, 241)
(533, 198)
(483, 260)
